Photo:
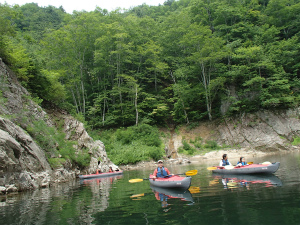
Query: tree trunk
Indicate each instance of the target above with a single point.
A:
(136, 108)
(206, 81)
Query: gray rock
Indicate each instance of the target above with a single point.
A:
(23, 163)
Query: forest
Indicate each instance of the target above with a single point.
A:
(178, 63)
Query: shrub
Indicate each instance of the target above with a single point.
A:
(190, 150)
(132, 145)
(211, 145)
(296, 141)
(54, 144)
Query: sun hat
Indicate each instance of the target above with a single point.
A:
(160, 161)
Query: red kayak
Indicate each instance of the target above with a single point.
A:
(171, 182)
(248, 169)
(97, 175)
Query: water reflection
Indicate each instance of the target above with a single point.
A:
(163, 194)
(68, 203)
(248, 181)
(97, 181)
(248, 199)
(100, 189)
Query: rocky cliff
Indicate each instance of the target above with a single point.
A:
(265, 131)
(23, 163)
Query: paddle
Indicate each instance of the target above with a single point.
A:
(188, 173)
(228, 167)
(137, 195)
(212, 168)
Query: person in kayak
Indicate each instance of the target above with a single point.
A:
(224, 161)
(110, 169)
(242, 162)
(161, 171)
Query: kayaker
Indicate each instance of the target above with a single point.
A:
(224, 161)
(110, 169)
(242, 162)
(161, 171)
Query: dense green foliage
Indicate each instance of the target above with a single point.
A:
(180, 62)
(132, 145)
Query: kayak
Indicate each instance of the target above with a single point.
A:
(95, 175)
(171, 182)
(268, 179)
(249, 169)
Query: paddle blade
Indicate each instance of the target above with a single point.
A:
(232, 184)
(191, 172)
(137, 195)
(249, 163)
(213, 182)
(194, 190)
(135, 180)
(212, 168)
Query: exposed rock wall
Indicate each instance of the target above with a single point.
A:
(262, 131)
(23, 164)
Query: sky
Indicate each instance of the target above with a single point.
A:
(87, 5)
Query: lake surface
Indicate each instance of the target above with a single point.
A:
(211, 200)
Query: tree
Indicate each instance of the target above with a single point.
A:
(205, 50)
(7, 30)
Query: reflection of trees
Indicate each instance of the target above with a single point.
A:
(98, 202)
(26, 207)
(66, 203)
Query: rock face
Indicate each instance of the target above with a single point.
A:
(75, 131)
(23, 164)
(264, 131)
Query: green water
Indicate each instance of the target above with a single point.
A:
(211, 200)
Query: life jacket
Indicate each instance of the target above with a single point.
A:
(225, 162)
(161, 172)
(243, 163)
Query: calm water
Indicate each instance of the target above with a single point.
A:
(211, 200)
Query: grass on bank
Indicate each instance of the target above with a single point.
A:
(59, 151)
(296, 140)
(198, 146)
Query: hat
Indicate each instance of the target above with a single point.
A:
(160, 161)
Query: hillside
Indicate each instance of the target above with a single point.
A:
(183, 78)
(27, 163)
(31, 152)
